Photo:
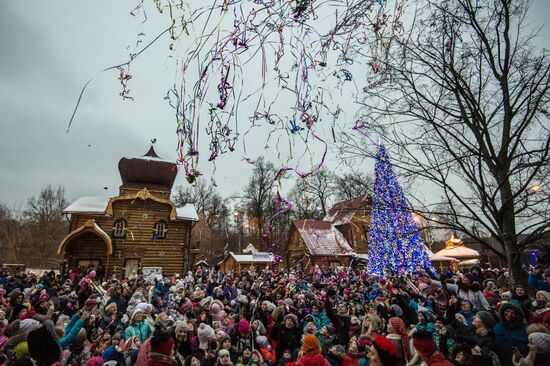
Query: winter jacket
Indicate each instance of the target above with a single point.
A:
(313, 360)
(437, 359)
(400, 356)
(537, 283)
(286, 339)
(510, 334)
(353, 360)
(141, 330)
(321, 319)
(476, 298)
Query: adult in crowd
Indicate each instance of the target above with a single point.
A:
(336, 317)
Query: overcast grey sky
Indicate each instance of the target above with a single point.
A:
(48, 50)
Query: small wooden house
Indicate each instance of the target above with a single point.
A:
(315, 242)
(239, 262)
(140, 229)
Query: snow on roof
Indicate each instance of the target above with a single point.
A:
(458, 252)
(149, 158)
(322, 238)
(97, 205)
(187, 212)
(439, 258)
(258, 257)
(88, 204)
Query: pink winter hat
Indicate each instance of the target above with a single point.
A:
(217, 311)
(244, 326)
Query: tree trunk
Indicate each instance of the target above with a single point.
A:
(509, 236)
(514, 261)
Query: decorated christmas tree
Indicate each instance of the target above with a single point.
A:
(395, 246)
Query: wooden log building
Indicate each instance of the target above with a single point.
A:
(140, 230)
(337, 240)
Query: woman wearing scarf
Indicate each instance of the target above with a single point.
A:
(397, 333)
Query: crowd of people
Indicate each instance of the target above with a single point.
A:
(339, 317)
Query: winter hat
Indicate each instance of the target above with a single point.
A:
(270, 306)
(339, 349)
(217, 310)
(110, 306)
(262, 341)
(144, 306)
(386, 350)
(43, 345)
(43, 297)
(487, 282)
(542, 340)
(362, 343)
(181, 325)
(293, 317)
(162, 343)
(508, 294)
(244, 326)
(131, 343)
(28, 325)
(136, 312)
(487, 319)
(95, 361)
(224, 337)
(399, 326)
(424, 344)
(92, 302)
(205, 333)
(311, 344)
(397, 310)
(206, 300)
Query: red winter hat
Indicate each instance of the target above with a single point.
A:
(163, 344)
(92, 302)
(424, 344)
(386, 350)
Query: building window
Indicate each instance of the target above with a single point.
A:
(119, 229)
(160, 230)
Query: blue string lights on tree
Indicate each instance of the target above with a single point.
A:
(395, 246)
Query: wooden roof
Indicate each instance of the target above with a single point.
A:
(148, 171)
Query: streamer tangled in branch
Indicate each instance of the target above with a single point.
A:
(296, 57)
